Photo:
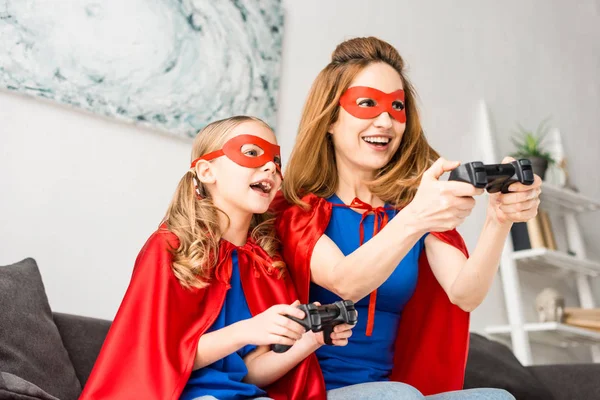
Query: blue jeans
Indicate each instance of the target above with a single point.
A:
(214, 398)
(402, 391)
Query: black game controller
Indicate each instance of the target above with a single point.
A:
(494, 177)
(323, 318)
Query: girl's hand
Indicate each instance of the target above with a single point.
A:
(339, 336)
(520, 205)
(441, 205)
(273, 327)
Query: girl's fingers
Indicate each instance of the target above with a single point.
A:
(339, 342)
(285, 331)
(343, 327)
(277, 339)
(289, 324)
(282, 331)
(285, 309)
(344, 335)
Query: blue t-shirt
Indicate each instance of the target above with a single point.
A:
(223, 378)
(366, 359)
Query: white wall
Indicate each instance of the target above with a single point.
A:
(81, 194)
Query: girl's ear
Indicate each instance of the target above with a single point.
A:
(205, 172)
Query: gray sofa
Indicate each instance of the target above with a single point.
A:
(72, 344)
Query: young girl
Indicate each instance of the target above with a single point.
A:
(209, 295)
(370, 221)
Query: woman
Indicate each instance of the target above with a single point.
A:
(363, 186)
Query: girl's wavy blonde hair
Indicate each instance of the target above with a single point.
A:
(312, 165)
(194, 218)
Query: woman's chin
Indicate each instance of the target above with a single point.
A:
(373, 164)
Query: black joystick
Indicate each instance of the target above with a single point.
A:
(494, 177)
(323, 318)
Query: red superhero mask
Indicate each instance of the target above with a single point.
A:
(392, 103)
(233, 150)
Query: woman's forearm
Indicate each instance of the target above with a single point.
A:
(475, 278)
(219, 344)
(355, 276)
(270, 366)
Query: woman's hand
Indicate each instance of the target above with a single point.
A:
(273, 327)
(441, 205)
(520, 205)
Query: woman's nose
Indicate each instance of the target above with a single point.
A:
(383, 120)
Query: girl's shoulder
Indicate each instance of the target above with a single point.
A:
(164, 237)
(160, 241)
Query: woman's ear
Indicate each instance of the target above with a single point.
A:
(205, 172)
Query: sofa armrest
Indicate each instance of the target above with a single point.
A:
(570, 381)
(83, 338)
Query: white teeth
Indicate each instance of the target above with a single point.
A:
(264, 186)
(377, 139)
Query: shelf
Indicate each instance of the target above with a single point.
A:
(542, 260)
(552, 333)
(560, 200)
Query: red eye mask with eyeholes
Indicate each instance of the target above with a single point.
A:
(384, 102)
(233, 150)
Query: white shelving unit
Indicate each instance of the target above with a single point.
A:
(546, 261)
(552, 333)
(567, 204)
(550, 263)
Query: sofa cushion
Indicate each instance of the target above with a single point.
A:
(571, 381)
(14, 388)
(491, 364)
(30, 344)
(83, 338)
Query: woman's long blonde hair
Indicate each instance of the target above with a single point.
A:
(312, 165)
(194, 218)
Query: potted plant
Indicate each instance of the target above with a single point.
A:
(529, 145)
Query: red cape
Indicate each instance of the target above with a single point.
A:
(150, 349)
(433, 336)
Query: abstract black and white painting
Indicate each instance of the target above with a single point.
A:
(175, 65)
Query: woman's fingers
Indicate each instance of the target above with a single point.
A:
(519, 197)
(519, 207)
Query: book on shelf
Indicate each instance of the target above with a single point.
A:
(534, 234)
(588, 318)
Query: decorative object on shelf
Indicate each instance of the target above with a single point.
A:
(529, 144)
(170, 65)
(583, 317)
(550, 305)
(520, 236)
(534, 234)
